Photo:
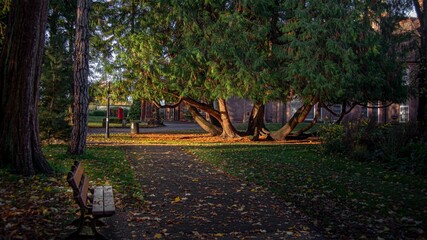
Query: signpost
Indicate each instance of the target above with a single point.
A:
(107, 122)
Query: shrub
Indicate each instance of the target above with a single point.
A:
(134, 113)
(332, 137)
(398, 146)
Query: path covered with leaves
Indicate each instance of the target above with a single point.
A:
(188, 199)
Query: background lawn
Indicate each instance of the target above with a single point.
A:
(96, 122)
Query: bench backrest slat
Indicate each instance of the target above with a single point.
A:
(75, 175)
(78, 174)
(83, 190)
(79, 183)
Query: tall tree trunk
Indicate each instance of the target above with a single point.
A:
(420, 9)
(297, 118)
(228, 130)
(81, 86)
(20, 63)
(203, 123)
(256, 123)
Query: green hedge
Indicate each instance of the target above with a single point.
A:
(99, 113)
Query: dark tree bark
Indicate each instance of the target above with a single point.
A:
(203, 123)
(256, 125)
(297, 118)
(81, 86)
(228, 130)
(420, 8)
(20, 63)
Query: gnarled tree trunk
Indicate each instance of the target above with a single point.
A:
(297, 118)
(256, 125)
(204, 107)
(228, 130)
(81, 86)
(20, 63)
(203, 123)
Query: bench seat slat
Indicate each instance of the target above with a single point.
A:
(109, 207)
(98, 201)
(103, 201)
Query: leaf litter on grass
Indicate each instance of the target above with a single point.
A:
(347, 199)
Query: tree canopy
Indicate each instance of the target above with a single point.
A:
(327, 51)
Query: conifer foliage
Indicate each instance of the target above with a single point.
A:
(319, 51)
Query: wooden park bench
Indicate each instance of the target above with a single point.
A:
(94, 203)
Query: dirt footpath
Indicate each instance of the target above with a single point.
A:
(188, 199)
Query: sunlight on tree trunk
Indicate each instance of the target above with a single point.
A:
(297, 118)
(228, 130)
(203, 123)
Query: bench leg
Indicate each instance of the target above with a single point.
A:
(94, 222)
(88, 221)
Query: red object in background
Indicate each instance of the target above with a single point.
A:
(120, 113)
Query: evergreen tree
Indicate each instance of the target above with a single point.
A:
(135, 110)
(56, 82)
(339, 53)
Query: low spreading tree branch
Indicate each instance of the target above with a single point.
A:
(367, 106)
(168, 105)
(343, 111)
(204, 107)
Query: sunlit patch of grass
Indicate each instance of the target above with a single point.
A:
(162, 138)
(105, 165)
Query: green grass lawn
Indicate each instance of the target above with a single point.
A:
(105, 165)
(42, 207)
(347, 199)
(342, 195)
